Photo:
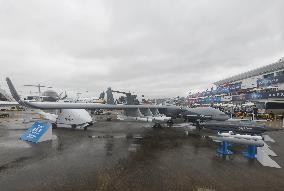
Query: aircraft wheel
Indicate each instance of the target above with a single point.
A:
(157, 125)
(73, 126)
(170, 123)
(54, 126)
(85, 128)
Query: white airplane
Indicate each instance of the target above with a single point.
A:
(74, 115)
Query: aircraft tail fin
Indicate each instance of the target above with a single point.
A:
(110, 99)
(14, 92)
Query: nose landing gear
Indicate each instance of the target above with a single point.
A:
(157, 125)
(170, 123)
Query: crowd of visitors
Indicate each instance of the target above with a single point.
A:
(240, 111)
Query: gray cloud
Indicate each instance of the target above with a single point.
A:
(156, 48)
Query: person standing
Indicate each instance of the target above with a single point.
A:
(255, 112)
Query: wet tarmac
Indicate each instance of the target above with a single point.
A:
(128, 156)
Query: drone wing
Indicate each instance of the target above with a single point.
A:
(60, 105)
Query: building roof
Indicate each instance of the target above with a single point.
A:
(262, 70)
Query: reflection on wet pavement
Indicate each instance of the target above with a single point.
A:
(128, 156)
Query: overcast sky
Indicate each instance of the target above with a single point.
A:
(158, 48)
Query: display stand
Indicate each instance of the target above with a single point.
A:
(251, 152)
(224, 148)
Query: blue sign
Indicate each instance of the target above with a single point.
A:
(266, 82)
(209, 100)
(265, 95)
(36, 131)
(229, 88)
(241, 97)
(270, 81)
(254, 96)
(223, 90)
(235, 87)
(276, 94)
(217, 99)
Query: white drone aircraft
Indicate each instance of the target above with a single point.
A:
(74, 115)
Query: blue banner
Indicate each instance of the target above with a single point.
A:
(270, 81)
(255, 96)
(263, 95)
(229, 88)
(277, 94)
(241, 97)
(209, 100)
(217, 99)
(235, 87)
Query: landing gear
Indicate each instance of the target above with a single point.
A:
(157, 125)
(54, 126)
(73, 126)
(224, 149)
(170, 123)
(85, 128)
(251, 152)
(197, 124)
